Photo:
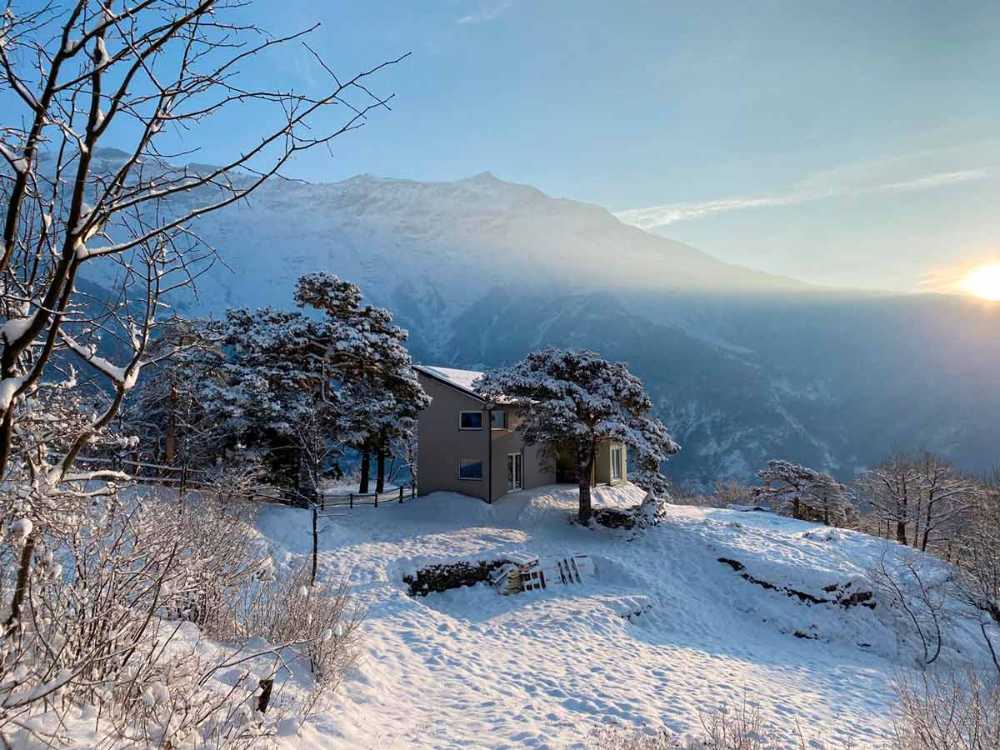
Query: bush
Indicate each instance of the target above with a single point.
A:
(118, 602)
(726, 728)
(322, 622)
(947, 711)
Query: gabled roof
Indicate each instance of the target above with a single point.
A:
(459, 379)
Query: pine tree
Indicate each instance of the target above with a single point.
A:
(368, 367)
(805, 493)
(576, 398)
(170, 408)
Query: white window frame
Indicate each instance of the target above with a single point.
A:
(518, 457)
(463, 412)
(470, 461)
(619, 465)
(498, 411)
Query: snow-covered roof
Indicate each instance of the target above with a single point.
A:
(461, 379)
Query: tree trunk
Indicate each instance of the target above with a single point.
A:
(170, 443)
(380, 466)
(927, 527)
(585, 467)
(315, 555)
(796, 508)
(901, 532)
(366, 469)
(21, 586)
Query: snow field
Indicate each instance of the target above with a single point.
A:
(662, 632)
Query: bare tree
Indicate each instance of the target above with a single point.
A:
(919, 498)
(946, 711)
(911, 591)
(152, 72)
(978, 558)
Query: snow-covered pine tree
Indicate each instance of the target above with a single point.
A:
(575, 398)
(805, 493)
(368, 368)
(270, 396)
(170, 408)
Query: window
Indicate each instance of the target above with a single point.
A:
(617, 452)
(470, 420)
(498, 419)
(470, 468)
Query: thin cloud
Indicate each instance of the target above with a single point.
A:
(658, 216)
(487, 12)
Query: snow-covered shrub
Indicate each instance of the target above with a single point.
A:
(917, 590)
(219, 557)
(116, 614)
(726, 728)
(617, 738)
(977, 555)
(321, 622)
(947, 711)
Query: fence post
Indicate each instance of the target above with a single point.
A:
(351, 500)
(376, 499)
(401, 495)
(312, 580)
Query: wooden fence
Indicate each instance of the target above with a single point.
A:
(147, 473)
(329, 503)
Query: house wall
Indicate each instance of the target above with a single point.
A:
(441, 444)
(535, 469)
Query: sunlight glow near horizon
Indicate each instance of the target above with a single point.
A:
(984, 282)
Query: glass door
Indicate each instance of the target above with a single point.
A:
(514, 475)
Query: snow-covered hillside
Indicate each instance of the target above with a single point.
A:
(662, 631)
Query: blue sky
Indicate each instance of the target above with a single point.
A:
(851, 143)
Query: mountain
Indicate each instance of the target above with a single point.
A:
(743, 366)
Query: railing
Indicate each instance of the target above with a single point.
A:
(350, 499)
(183, 477)
(146, 473)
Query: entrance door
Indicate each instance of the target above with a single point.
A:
(514, 472)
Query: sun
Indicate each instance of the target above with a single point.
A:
(984, 282)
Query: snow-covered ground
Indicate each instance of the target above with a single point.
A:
(662, 632)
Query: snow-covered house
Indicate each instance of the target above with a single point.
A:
(465, 445)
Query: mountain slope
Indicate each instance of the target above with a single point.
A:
(743, 366)
(459, 238)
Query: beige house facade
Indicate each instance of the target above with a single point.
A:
(466, 446)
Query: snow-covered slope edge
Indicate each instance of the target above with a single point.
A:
(662, 631)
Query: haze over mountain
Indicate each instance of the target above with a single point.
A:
(743, 366)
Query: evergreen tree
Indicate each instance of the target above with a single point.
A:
(805, 493)
(369, 371)
(576, 398)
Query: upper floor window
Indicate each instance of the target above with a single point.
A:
(498, 419)
(470, 420)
